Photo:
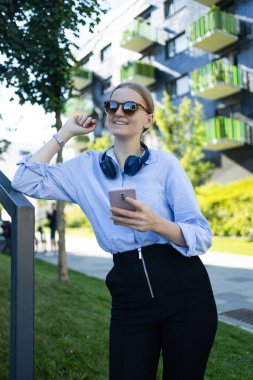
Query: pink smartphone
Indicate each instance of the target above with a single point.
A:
(117, 198)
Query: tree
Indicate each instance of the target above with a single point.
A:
(4, 145)
(101, 143)
(37, 47)
(181, 132)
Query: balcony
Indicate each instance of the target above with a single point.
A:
(81, 78)
(207, 2)
(214, 31)
(139, 72)
(138, 36)
(222, 133)
(79, 104)
(216, 80)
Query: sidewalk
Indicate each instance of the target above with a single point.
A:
(231, 276)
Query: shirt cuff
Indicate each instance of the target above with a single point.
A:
(189, 239)
(37, 167)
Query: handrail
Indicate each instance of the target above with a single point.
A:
(21, 212)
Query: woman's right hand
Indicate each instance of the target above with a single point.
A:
(78, 125)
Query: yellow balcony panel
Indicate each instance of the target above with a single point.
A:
(81, 79)
(207, 2)
(81, 104)
(222, 144)
(217, 91)
(137, 43)
(215, 41)
(138, 36)
(142, 79)
(140, 72)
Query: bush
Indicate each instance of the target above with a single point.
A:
(228, 208)
(75, 217)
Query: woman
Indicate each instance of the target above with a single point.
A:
(52, 223)
(162, 300)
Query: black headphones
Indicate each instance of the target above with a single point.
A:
(131, 167)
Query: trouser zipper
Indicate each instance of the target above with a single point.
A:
(146, 272)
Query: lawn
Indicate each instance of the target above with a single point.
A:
(71, 331)
(240, 246)
(232, 245)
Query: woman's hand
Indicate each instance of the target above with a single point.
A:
(78, 125)
(142, 219)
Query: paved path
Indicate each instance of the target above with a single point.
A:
(231, 275)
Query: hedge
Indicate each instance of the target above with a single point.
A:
(75, 217)
(228, 208)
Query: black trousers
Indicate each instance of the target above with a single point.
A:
(162, 302)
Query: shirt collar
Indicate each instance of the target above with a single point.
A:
(152, 156)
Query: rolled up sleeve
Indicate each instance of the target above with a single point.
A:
(42, 180)
(187, 213)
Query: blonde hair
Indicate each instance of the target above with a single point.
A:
(142, 90)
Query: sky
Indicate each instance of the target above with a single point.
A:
(22, 124)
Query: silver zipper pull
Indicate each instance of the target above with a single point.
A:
(139, 250)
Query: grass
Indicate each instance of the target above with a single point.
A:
(77, 231)
(240, 246)
(80, 231)
(232, 245)
(71, 331)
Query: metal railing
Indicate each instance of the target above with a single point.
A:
(216, 72)
(138, 28)
(221, 127)
(137, 68)
(212, 21)
(21, 212)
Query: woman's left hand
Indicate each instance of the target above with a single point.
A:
(142, 219)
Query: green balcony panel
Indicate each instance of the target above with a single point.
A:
(207, 2)
(81, 79)
(222, 133)
(138, 36)
(214, 31)
(216, 80)
(139, 72)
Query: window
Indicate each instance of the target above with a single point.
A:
(172, 6)
(146, 15)
(85, 60)
(106, 84)
(24, 152)
(231, 58)
(106, 52)
(229, 111)
(179, 87)
(176, 46)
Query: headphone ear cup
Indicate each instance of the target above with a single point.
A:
(132, 165)
(108, 167)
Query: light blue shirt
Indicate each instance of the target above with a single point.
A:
(161, 183)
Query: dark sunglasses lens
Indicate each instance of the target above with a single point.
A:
(111, 106)
(130, 107)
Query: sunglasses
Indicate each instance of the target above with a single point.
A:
(129, 107)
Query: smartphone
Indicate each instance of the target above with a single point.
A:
(117, 198)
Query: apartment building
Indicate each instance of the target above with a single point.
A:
(199, 49)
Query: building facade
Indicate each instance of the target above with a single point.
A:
(199, 49)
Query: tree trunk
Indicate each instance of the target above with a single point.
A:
(62, 256)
